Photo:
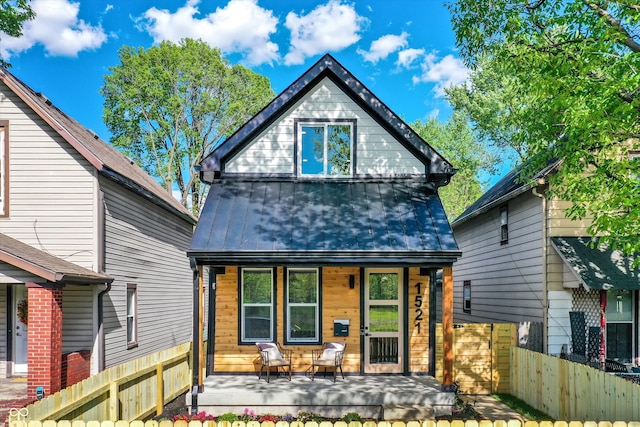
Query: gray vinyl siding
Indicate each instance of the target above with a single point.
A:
(506, 279)
(52, 187)
(146, 246)
(77, 320)
(377, 151)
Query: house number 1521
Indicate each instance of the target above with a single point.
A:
(418, 304)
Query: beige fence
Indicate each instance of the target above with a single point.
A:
(510, 423)
(481, 356)
(133, 390)
(569, 391)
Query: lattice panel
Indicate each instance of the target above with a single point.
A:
(587, 301)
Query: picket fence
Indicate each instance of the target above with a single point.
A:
(130, 391)
(509, 423)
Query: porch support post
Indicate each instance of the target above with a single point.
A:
(432, 322)
(211, 321)
(44, 338)
(447, 327)
(195, 336)
(603, 325)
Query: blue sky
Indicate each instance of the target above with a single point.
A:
(402, 50)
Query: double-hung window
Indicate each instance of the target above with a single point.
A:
(132, 315)
(504, 225)
(4, 169)
(325, 149)
(257, 319)
(466, 296)
(303, 309)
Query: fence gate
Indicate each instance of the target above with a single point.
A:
(481, 363)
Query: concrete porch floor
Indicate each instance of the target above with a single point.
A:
(367, 395)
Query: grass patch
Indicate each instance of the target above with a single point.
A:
(524, 409)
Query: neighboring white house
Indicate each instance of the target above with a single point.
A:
(524, 261)
(93, 270)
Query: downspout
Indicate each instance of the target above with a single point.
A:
(540, 191)
(194, 338)
(101, 269)
(101, 345)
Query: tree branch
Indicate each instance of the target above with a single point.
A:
(628, 40)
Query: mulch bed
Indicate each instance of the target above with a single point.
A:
(178, 406)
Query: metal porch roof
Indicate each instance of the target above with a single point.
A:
(321, 222)
(597, 267)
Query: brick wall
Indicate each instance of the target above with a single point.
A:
(76, 367)
(45, 338)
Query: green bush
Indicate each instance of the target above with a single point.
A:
(228, 417)
(352, 416)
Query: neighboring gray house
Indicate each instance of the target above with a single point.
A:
(524, 261)
(93, 270)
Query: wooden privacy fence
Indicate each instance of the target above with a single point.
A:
(481, 362)
(132, 390)
(570, 391)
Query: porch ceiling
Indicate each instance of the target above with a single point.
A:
(329, 221)
(597, 267)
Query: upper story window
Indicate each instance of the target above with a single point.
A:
(504, 224)
(4, 169)
(325, 149)
(466, 296)
(634, 157)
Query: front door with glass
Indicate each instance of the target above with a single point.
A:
(383, 345)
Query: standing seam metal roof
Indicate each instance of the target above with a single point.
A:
(323, 220)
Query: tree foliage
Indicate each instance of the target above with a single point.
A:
(169, 105)
(13, 14)
(561, 80)
(457, 142)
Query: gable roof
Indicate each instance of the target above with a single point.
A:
(506, 188)
(45, 265)
(439, 169)
(323, 221)
(106, 159)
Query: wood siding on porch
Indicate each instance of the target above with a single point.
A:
(338, 302)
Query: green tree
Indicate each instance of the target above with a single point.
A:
(168, 106)
(559, 79)
(457, 142)
(13, 14)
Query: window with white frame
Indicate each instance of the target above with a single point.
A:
(504, 224)
(325, 149)
(303, 311)
(4, 169)
(132, 315)
(466, 296)
(256, 305)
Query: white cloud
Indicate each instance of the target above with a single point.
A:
(407, 57)
(329, 27)
(443, 72)
(108, 8)
(384, 46)
(57, 28)
(240, 27)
